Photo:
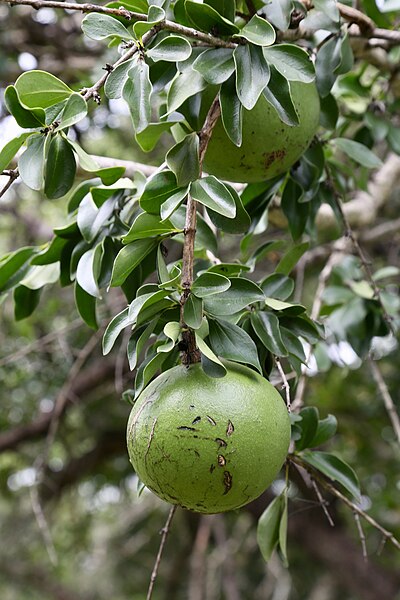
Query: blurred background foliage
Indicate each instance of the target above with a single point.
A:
(98, 538)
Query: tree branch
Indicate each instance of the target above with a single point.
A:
(164, 535)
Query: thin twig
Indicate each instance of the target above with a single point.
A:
(386, 397)
(12, 175)
(285, 383)
(322, 502)
(331, 488)
(164, 535)
(362, 535)
(43, 525)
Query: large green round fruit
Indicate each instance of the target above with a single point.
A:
(269, 146)
(209, 445)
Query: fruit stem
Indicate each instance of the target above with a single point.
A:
(190, 352)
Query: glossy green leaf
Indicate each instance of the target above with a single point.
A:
(155, 15)
(268, 528)
(172, 203)
(241, 222)
(229, 269)
(325, 431)
(288, 307)
(258, 31)
(358, 152)
(184, 85)
(129, 258)
(51, 252)
(147, 226)
(278, 94)
(283, 525)
(86, 271)
(308, 427)
(74, 111)
(25, 301)
(206, 18)
(148, 138)
(233, 343)
(216, 65)
(277, 286)
(193, 312)
(136, 92)
(291, 61)
(334, 468)
(13, 267)
(213, 194)
(117, 78)
(24, 117)
(86, 305)
(208, 284)
(157, 190)
(301, 326)
(252, 73)
(145, 300)
(292, 344)
(295, 211)
(41, 89)
(278, 13)
(266, 326)
(86, 162)
(31, 162)
(60, 168)
(327, 61)
(231, 111)
(241, 294)
(172, 331)
(147, 370)
(291, 258)
(114, 328)
(219, 369)
(99, 27)
(137, 342)
(173, 48)
(10, 150)
(110, 175)
(183, 159)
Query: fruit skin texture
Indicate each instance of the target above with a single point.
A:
(209, 445)
(269, 146)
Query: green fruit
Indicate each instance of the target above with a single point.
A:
(269, 146)
(209, 445)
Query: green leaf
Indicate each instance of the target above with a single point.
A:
(91, 219)
(110, 175)
(31, 162)
(327, 61)
(301, 326)
(277, 93)
(147, 226)
(229, 269)
(136, 92)
(114, 328)
(231, 111)
(87, 269)
(26, 300)
(296, 212)
(291, 61)
(216, 65)
(219, 370)
(60, 168)
(173, 48)
(183, 159)
(358, 152)
(207, 19)
(325, 431)
(13, 267)
(277, 286)
(145, 300)
(147, 370)
(240, 224)
(117, 78)
(278, 13)
(155, 15)
(184, 85)
(86, 305)
(241, 294)
(208, 284)
(291, 258)
(99, 27)
(283, 525)
(129, 258)
(226, 8)
(268, 528)
(10, 150)
(86, 162)
(308, 426)
(51, 252)
(233, 343)
(289, 308)
(74, 111)
(334, 468)
(24, 117)
(137, 342)
(193, 312)
(172, 203)
(157, 190)
(172, 331)
(266, 326)
(292, 344)
(40, 89)
(258, 31)
(148, 138)
(252, 73)
(212, 193)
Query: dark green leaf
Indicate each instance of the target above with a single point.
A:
(229, 269)
(241, 222)
(90, 219)
(157, 190)
(334, 468)
(241, 294)
(226, 8)
(129, 257)
(278, 13)
(136, 92)
(184, 85)
(308, 426)
(266, 326)
(258, 31)
(51, 253)
(283, 525)
(277, 286)
(287, 307)
(231, 110)
(208, 284)
(329, 112)
(41, 89)
(146, 226)
(233, 343)
(358, 152)
(13, 267)
(148, 138)
(173, 48)
(110, 175)
(183, 159)
(86, 305)
(328, 59)
(117, 78)
(25, 118)
(216, 65)
(296, 212)
(31, 162)
(277, 93)
(26, 300)
(291, 258)
(137, 342)
(217, 369)
(325, 430)
(145, 300)
(268, 528)
(87, 270)
(114, 328)
(147, 370)
(252, 73)
(172, 203)
(193, 312)
(60, 168)
(155, 15)
(207, 19)
(301, 326)
(74, 111)
(215, 195)
(291, 61)
(99, 27)
(293, 344)
(11, 149)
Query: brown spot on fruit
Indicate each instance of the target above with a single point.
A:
(230, 429)
(196, 420)
(221, 442)
(210, 420)
(221, 460)
(186, 428)
(227, 482)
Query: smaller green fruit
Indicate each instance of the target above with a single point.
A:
(209, 445)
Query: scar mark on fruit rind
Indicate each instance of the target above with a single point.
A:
(196, 420)
(150, 438)
(227, 482)
(212, 468)
(186, 428)
(221, 460)
(222, 443)
(270, 157)
(230, 429)
(210, 420)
